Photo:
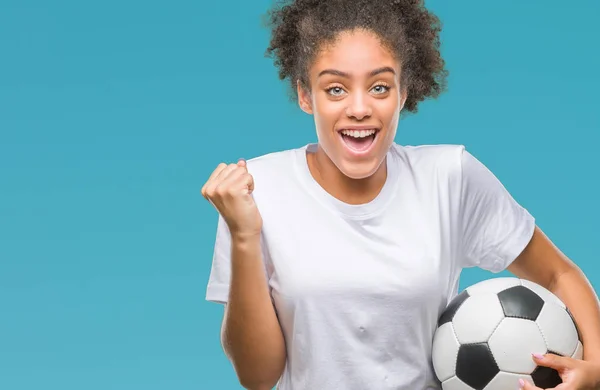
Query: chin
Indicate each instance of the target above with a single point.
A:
(359, 170)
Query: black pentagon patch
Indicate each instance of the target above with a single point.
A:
(452, 307)
(545, 377)
(575, 323)
(520, 302)
(475, 365)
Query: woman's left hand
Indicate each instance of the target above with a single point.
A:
(576, 374)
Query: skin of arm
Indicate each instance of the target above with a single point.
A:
(543, 263)
(251, 335)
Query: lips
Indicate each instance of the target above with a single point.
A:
(358, 133)
(357, 127)
(358, 141)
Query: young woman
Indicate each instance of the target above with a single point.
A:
(336, 259)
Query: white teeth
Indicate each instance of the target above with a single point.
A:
(358, 133)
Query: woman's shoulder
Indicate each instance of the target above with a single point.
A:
(275, 161)
(429, 156)
(277, 168)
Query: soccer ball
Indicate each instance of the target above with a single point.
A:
(486, 336)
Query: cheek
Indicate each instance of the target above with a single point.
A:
(393, 117)
(389, 113)
(327, 113)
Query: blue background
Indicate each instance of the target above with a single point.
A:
(113, 114)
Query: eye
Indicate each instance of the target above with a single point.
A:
(335, 91)
(379, 89)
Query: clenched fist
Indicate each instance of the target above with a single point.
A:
(229, 188)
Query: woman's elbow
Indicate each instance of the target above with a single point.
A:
(261, 376)
(253, 383)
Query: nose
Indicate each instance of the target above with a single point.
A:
(358, 107)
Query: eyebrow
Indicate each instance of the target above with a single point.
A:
(346, 75)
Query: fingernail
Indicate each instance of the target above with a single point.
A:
(521, 382)
(538, 355)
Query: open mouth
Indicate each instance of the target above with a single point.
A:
(359, 141)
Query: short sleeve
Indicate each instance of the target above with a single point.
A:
(494, 228)
(217, 289)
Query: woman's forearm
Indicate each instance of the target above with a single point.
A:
(574, 289)
(252, 337)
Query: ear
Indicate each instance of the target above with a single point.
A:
(304, 100)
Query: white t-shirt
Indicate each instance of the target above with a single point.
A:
(358, 289)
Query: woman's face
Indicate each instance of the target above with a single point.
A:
(356, 99)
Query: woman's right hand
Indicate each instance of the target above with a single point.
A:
(229, 189)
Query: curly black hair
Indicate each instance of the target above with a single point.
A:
(299, 28)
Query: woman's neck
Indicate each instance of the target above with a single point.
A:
(340, 186)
